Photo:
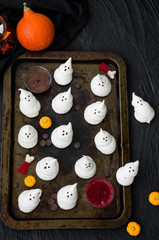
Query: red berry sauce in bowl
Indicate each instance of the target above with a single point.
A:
(99, 193)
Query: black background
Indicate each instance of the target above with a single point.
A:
(129, 28)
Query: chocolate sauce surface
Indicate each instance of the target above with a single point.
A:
(37, 81)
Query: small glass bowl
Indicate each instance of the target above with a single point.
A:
(99, 193)
(37, 79)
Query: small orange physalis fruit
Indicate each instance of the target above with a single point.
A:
(45, 122)
(30, 181)
(133, 228)
(154, 198)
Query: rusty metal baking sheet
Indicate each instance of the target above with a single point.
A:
(85, 66)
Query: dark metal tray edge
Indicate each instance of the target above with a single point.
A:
(5, 163)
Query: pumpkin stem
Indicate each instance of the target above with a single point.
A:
(25, 7)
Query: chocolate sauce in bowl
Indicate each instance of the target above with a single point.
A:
(38, 79)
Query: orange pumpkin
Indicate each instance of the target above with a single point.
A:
(35, 31)
(45, 122)
(30, 181)
(133, 228)
(154, 198)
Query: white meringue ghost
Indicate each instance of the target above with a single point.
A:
(100, 85)
(28, 104)
(85, 167)
(47, 168)
(28, 200)
(95, 112)
(63, 74)
(62, 136)
(125, 175)
(63, 102)
(105, 142)
(27, 136)
(67, 197)
(143, 112)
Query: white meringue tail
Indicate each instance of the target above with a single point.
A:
(69, 126)
(136, 163)
(69, 62)
(74, 185)
(69, 91)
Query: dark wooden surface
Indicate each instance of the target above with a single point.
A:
(129, 28)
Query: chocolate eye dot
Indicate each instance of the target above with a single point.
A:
(67, 196)
(48, 166)
(44, 167)
(103, 138)
(65, 69)
(71, 194)
(25, 133)
(63, 134)
(133, 170)
(63, 131)
(68, 68)
(98, 111)
(29, 198)
(30, 194)
(33, 197)
(28, 95)
(66, 133)
(65, 98)
(129, 171)
(129, 167)
(25, 98)
(137, 101)
(99, 84)
(67, 192)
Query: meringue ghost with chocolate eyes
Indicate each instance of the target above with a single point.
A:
(28, 104)
(63, 74)
(100, 85)
(47, 168)
(85, 167)
(27, 137)
(125, 175)
(67, 197)
(28, 200)
(143, 112)
(105, 142)
(63, 102)
(62, 136)
(95, 112)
